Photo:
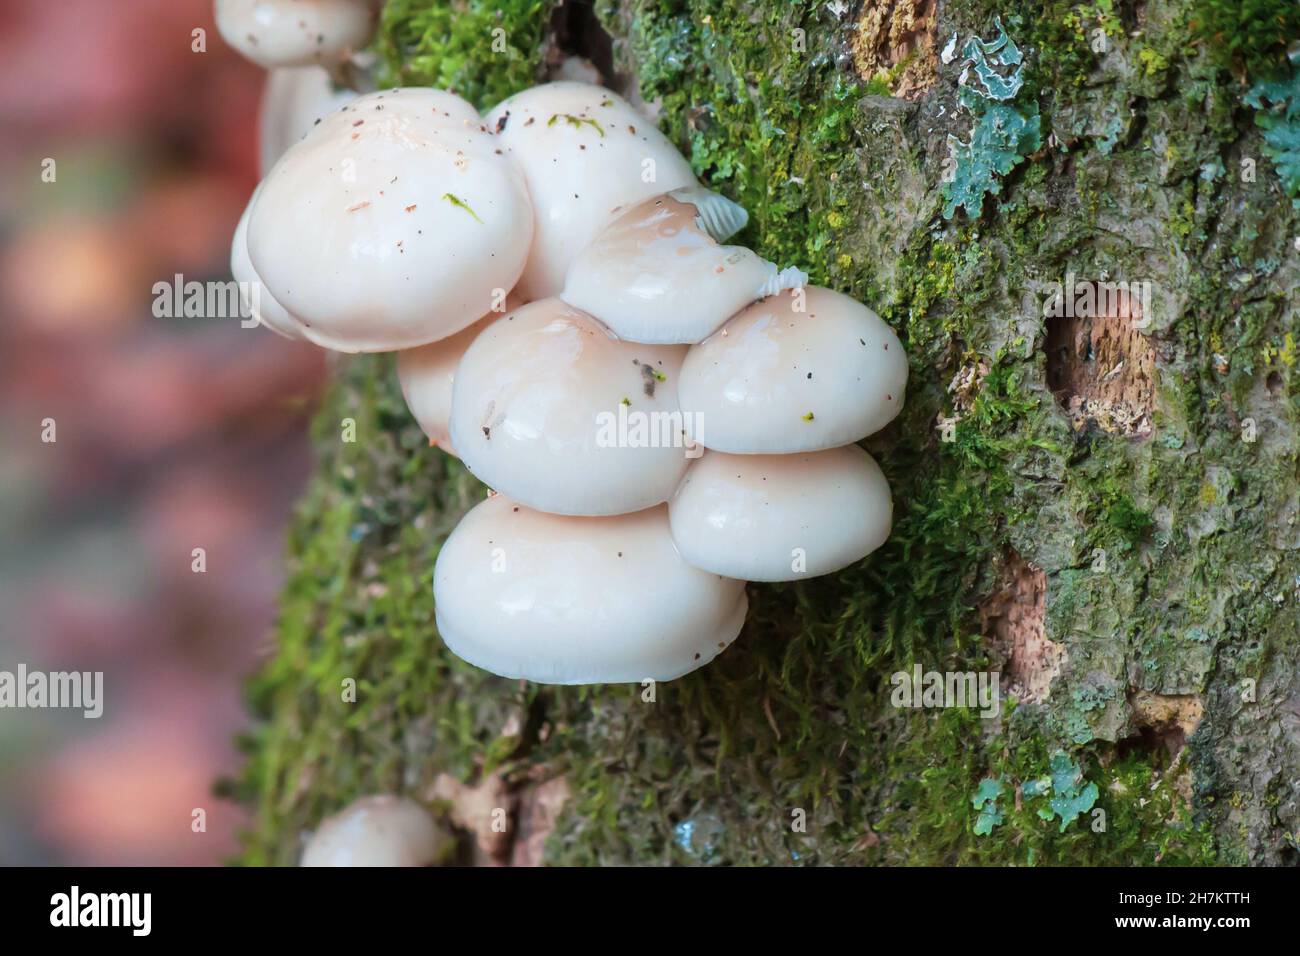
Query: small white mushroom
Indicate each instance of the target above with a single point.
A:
(781, 517)
(656, 274)
(395, 222)
(275, 33)
(253, 297)
(563, 600)
(551, 409)
(293, 100)
(426, 375)
(585, 152)
(801, 371)
(379, 830)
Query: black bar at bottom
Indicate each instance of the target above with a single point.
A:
(254, 906)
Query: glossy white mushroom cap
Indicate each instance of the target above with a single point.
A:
(378, 831)
(393, 223)
(656, 274)
(293, 99)
(801, 371)
(275, 33)
(563, 600)
(426, 375)
(781, 517)
(254, 298)
(552, 410)
(585, 152)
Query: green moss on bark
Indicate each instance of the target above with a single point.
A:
(483, 50)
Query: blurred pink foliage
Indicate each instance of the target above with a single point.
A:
(172, 434)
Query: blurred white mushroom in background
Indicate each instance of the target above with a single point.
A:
(381, 830)
(275, 33)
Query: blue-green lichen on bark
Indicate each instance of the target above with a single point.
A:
(1001, 135)
(1136, 177)
(1278, 102)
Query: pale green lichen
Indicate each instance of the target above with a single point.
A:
(1001, 135)
(577, 122)
(1278, 102)
(1000, 139)
(986, 802)
(996, 65)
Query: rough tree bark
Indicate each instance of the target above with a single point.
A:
(1102, 507)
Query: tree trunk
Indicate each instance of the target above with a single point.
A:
(1091, 257)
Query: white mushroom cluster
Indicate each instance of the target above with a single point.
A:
(661, 416)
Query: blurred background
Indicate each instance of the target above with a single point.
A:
(171, 433)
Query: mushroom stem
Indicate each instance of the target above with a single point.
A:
(379, 830)
(355, 74)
